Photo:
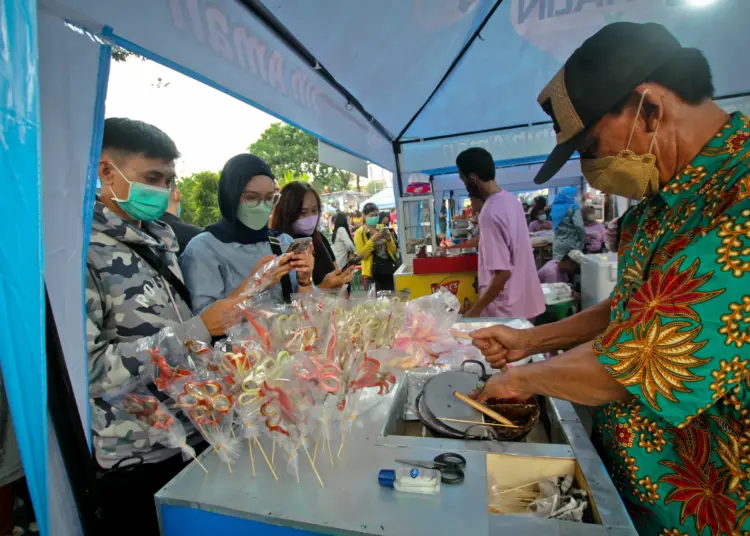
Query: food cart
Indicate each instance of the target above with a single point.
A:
(430, 97)
(352, 502)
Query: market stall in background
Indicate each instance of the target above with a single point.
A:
(434, 79)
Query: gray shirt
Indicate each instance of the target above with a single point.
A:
(213, 269)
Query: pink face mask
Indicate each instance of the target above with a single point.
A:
(305, 226)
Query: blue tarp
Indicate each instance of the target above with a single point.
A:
(22, 338)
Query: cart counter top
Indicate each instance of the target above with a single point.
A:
(352, 502)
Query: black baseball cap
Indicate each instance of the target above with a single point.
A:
(602, 72)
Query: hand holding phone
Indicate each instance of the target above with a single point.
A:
(299, 245)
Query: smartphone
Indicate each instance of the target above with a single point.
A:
(354, 261)
(299, 245)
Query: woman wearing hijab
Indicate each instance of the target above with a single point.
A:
(567, 222)
(298, 214)
(219, 262)
(343, 244)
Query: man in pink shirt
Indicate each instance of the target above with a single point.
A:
(561, 271)
(508, 282)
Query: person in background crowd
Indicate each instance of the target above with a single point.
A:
(298, 214)
(567, 223)
(384, 218)
(526, 207)
(666, 358)
(134, 290)
(443, 218)
(595, 231)
(561, 271)
(540, 223)
(538, 207)
(508, 283)
(476, 208)
(378, 250)
(220, 262)
(613, 232)
(394, 217)
(183, 230)
(343, 243)
(356, 220)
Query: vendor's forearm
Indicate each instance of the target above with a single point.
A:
(576, 376)
(569, 332)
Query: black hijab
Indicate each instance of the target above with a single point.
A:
(234, 177)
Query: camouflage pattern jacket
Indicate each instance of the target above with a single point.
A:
(127, 301)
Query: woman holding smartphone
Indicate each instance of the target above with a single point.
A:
(378, 250)
(298, 214)
(219, 262)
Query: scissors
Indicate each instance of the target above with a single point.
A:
(449, 464)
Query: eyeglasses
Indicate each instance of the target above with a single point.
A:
(252, 200)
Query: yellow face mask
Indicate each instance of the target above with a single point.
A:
(627, 174)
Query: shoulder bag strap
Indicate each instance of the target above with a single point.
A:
(286, 281)
(161, 267)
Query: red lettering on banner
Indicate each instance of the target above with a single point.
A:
(451, 286)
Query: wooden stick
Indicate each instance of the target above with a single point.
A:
(343, 438)
(478, 423)
(263, 452)
(463, 335)
(273, 451)
(315, 454)
(519, 487)
(252, 460)
(196, 459)
(315, 470)
(330, 452)
(482, 409)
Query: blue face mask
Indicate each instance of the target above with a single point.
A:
(144, 202)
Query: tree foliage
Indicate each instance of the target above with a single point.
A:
(374, 187)
(293, 155)
(199, 197)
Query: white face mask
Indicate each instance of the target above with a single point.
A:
(542, 217)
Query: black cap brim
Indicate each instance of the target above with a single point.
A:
(558, 157)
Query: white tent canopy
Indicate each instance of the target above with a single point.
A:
(384, 199)
(404, 84)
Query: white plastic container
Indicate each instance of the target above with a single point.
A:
(598, 277)
(421, 481)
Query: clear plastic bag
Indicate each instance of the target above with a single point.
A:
(426, 327)
(263, 278)
(158, 425)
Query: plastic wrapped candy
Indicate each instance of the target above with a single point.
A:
(167, 358)
(160, 425)
(208, 404)
(426, 330)
(263, 278)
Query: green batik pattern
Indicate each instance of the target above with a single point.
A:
(679, 341)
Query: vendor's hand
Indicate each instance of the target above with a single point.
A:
(304, 263)
(499, 386)
(501, 344)
(222, 314)
(338, 278)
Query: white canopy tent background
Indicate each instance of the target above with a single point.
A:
(384, 199)
(406, 84)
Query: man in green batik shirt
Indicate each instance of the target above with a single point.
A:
(666, 357)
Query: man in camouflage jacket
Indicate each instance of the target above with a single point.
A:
(128, 304)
